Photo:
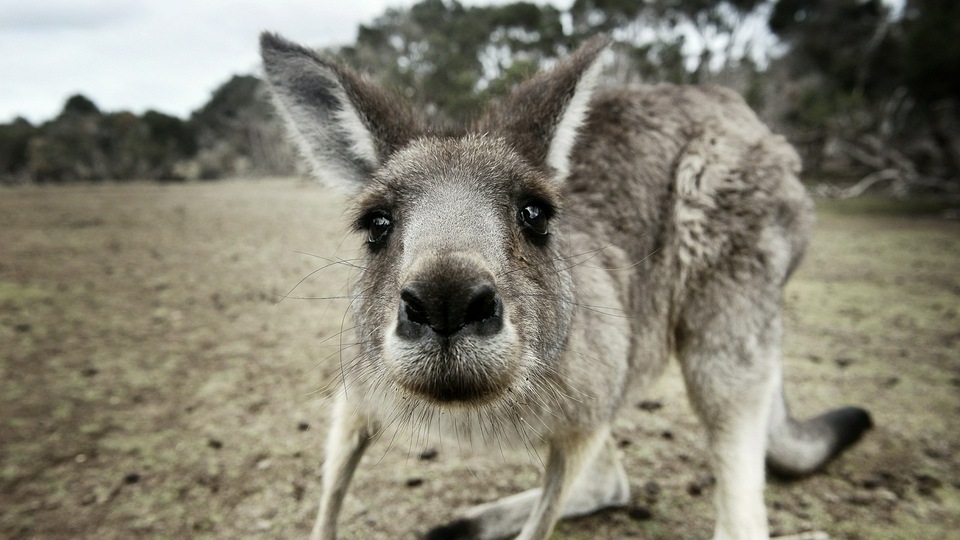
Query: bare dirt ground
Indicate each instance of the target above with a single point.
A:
(153, 385)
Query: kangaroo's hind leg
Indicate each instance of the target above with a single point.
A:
(729, 352)
(729, 347)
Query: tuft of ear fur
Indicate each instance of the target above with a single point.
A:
(542, 116)
(344, 126)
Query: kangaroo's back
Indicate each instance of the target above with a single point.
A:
(687, 171)
(692, 187)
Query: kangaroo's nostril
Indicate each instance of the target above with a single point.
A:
(484, 305)
(413, 306)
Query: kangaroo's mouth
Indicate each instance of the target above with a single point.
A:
(462, 370)
(454, 390)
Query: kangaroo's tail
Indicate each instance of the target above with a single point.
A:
(796, 448)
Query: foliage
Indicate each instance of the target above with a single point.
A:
(14, 141)
(83, 143)
(237, 133)
(931, 68)
(80, 104)
(885, 88)
(838, 38)
(862, 89)
(448, 58)
(228, 103)
(233, 134)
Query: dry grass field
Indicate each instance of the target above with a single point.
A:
(153, 383)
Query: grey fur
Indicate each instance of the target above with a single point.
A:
(524, 275)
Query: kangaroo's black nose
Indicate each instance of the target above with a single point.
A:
(447, 306)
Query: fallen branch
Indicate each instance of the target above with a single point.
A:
(868, 181)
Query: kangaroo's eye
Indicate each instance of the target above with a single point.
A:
(378, 228)
(534, 218)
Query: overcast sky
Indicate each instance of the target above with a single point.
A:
(165, 55)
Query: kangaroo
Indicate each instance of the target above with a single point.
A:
(524, 273)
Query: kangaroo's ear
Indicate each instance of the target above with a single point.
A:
(542, 116)
(344, 126)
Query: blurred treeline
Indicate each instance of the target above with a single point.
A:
(869, 91)
(234, 134)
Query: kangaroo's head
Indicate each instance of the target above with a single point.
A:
(465, 297)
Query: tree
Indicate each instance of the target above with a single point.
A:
(14, 142)
(882, 88)
(236, 133)
(682, 41)
(79, 104)
(880, 85)
(931, 71)
(448, 58)
(838, 38)
(170, 133)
